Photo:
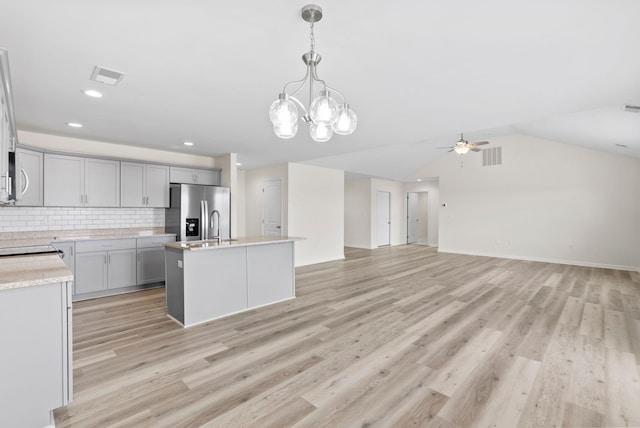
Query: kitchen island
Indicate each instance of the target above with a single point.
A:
(206, 280)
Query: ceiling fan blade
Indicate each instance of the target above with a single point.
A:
(474, 149)
(450, 151)
(444, 147)
(480, 143)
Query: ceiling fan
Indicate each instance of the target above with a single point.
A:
(462, 146)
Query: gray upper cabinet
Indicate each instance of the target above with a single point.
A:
(209, 177)
(71, 181)
(29, 185)
(144, 185)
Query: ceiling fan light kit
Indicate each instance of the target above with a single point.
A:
(463, 146)
(324, 114)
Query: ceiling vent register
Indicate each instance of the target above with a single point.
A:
(106, 76)
(492, 156)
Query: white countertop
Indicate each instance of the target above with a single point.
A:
(28, 271)
(213, 244)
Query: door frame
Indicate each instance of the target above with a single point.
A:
(422, 215)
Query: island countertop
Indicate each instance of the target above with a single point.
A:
(213, 244)
(31, 270)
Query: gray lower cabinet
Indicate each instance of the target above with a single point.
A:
(91, 272)
(36, 356)
(105, 264)
(151, 259)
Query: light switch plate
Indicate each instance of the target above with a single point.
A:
(179, 264)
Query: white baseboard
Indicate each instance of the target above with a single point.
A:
(543, 260)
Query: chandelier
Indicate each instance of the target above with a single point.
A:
(323, 114)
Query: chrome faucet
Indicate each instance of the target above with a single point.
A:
(217, 236)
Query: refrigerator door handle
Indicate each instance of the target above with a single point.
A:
(201, 220)
(205, 221)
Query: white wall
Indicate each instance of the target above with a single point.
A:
(548, 201)
(398, 236)
(253, 191)
(357, 213)
(229, 178)
(433, 202)
(100, 148)
(316, 212)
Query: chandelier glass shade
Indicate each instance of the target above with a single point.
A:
(324, 114)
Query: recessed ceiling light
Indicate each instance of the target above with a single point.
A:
(92, 93)
(419, 179)
(74, 124)
(238, 163)
(188, 143)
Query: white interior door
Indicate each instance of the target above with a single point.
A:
(272, 207)
(412, 218)
(384, 218)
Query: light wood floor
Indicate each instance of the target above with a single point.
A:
(399, 336)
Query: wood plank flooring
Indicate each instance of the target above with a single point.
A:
(393, 337)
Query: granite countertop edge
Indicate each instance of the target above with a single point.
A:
(208, 245)
(32, 270)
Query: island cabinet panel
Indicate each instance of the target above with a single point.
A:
(218, 284)
(208, 279)
(35, 374)
(270, 273)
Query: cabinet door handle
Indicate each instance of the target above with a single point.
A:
(26, 181)
(105, 260)
(143, 200)
(81, 198)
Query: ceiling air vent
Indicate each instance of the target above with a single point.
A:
(492, 156)
(106, 76)
(632, 109)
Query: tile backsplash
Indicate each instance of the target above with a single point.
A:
(18, 219)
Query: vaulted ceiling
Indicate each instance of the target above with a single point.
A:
(417, 74)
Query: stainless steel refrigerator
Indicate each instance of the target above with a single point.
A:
(198, 212)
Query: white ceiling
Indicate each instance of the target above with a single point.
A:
(417, 73)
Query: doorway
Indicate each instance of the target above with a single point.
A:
(272, 207)
(384, 218)
(417, 218)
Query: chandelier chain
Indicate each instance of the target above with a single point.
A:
(312, 39)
